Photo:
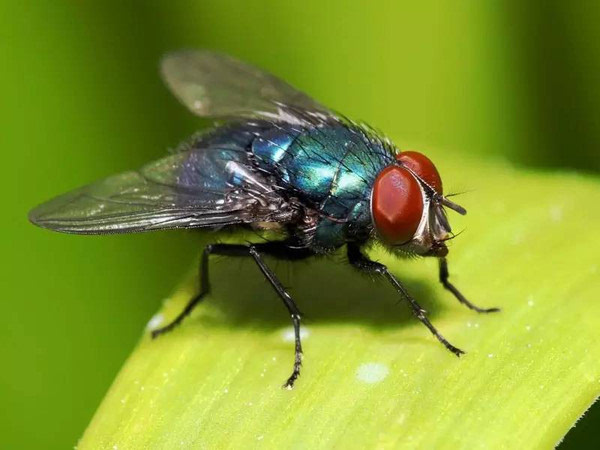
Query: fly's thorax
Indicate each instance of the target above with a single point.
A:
(330, 170)
(407, 206)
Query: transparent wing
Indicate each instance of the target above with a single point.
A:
(215, 85)
(186, 190)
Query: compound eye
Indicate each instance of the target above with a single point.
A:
(397, 205)
(422, 166)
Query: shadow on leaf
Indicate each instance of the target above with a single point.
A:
(325, 289)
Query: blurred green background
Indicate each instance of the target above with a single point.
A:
(81, 99)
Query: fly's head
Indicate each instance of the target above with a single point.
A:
(407, 206)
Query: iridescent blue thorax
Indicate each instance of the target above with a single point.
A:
(332, 169)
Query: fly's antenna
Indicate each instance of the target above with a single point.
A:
(443, 200)
(453, 206)
(450, 204)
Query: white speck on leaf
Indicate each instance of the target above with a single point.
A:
(518, 238)
(156, 320)
(259, 438)
(556, 213)
(527, 327)
(372, 372)
(530, 302)
(490, 355)
(289, 336)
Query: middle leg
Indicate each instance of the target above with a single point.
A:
(361, 262)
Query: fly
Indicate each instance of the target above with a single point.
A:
(277, 160)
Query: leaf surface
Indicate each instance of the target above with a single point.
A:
(373, 376)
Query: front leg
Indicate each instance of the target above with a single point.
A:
(444, 275)
(361, 262)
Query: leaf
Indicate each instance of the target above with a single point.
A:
(373, 376)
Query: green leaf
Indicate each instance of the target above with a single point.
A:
(373, 376)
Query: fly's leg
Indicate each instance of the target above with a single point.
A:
(276, 249)
(281, 250)
(204, 290)
(361, 262)
(444, 275)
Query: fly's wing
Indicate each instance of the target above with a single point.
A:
(201, 188)
(215, 85)
(206, 187)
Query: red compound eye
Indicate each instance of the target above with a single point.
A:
(422, 166)
(397, 205)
